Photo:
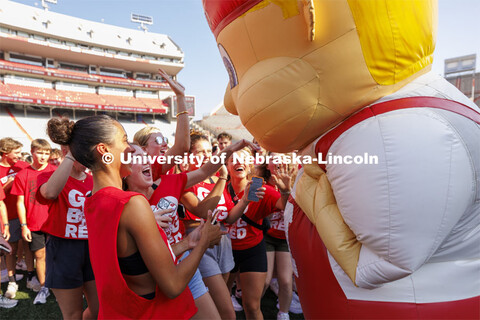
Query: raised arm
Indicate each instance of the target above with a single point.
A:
(283, 178)
(242, 204)
(52, 188)
(182, 132)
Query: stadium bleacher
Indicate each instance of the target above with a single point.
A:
(81, 97)
(35, 123)
(48, 96)
(78, 76)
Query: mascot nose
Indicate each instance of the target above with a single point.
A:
(279, 94)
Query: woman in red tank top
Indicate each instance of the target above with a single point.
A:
(121, 225)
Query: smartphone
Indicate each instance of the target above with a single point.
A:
(215, 214)
(257, 182)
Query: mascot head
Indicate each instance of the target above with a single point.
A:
(299, 67)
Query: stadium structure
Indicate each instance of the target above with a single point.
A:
(220, 120)
(54, 64)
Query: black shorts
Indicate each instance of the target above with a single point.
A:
(275, 244)
(38, 241)
(68, 263)
(251, 260)
(15, 230)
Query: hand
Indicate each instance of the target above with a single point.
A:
(282, 177)
(223, 172)
(174, 85)
(210, 234)
(240, 145)
(193, 238)
(6, 233)
(162, 217)
(26, 234)
(260, 193)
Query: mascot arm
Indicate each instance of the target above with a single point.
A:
(401, 209)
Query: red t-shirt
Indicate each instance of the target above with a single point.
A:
(11, 200)
(65, 213)
(2, 196)
(25, 184)
(245, 236)
(167, 195)
(277, 225)
(202, 190)
(117, 301)
(156, 170)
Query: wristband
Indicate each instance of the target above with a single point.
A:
(6, 224)
(23, 225)
(180, 113)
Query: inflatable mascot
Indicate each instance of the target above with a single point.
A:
(397, 237)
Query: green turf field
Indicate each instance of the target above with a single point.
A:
(25, 308)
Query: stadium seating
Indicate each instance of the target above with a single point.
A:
(63, 96)
(81, 97)
(36, 121)
(122, 101)
(33, 92)
(62, 74)
(153, 103)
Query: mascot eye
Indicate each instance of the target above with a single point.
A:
(229, 66)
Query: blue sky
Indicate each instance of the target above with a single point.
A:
(204, 75)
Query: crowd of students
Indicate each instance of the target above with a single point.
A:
(138, 240)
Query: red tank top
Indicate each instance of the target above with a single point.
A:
(117, 301)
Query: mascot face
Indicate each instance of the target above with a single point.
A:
(297, 68)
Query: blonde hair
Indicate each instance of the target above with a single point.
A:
(7, 145)
(40, 144)
(141, 136)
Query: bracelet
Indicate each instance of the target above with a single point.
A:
(284, 193)
(23, 225)
(6, 224)
(70, 158)
(180, 113)
(223, 178)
